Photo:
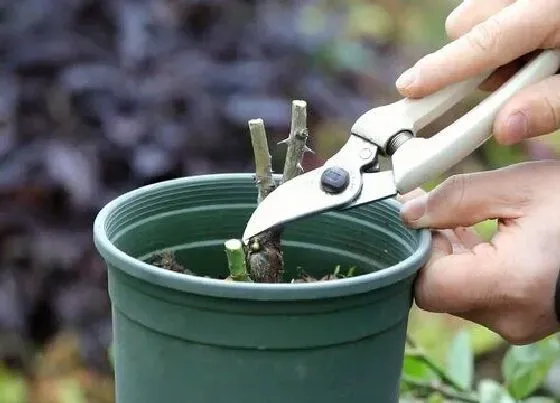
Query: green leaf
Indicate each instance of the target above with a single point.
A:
(483, 340)
(492, 392)
(524, 368)
(539, 399)
(435, 398)
(486, 229)
(417, 369)
(460, 360)
(499, 156)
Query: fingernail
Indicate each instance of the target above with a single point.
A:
(406, 79)
(413, 211)
(516, 128)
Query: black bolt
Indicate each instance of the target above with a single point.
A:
(335, 180)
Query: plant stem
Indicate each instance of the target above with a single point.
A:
(296, 141)
(266, 264)
(443, 390)
(236, 260)
(265, 255)
(263, 164)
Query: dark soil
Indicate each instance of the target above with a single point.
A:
(166, 260)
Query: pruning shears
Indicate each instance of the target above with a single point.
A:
(352, 176)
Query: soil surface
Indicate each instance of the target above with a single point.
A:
(166, 260)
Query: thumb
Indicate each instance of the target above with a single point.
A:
(466, 199)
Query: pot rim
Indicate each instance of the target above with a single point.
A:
(240, 290)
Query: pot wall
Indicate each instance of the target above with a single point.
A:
(191, 339)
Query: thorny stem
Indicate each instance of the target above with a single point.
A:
(443, 390)
(296, 141)
(266, 264)
(236, 260)
(263, 164)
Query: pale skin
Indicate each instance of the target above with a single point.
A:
(506, 284)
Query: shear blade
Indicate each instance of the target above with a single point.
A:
(302, 196)
(376, 186)
(298, 198)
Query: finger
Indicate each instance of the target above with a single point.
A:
(456, 246)
(471, 13)
(441, 246)
(460, 239)
(410, 195)
(467, 237)
(459, 283)
(534, 111)
(464, 200)
(493, 43)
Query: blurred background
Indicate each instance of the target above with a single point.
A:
(98, 97)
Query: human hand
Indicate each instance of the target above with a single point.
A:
(496, 34)
(507, 284)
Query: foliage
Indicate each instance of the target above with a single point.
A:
(57, 375)
(523, 370)
(106, 129)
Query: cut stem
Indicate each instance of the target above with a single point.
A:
(236, 260)
(296, 141)
(263, 163)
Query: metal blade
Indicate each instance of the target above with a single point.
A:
(297, 198)
(375, 186)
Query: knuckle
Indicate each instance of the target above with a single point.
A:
(552, 108)
(450, 193)
(521, 186)
(484, 37)
(552, 39)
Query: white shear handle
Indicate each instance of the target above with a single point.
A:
(421, 159)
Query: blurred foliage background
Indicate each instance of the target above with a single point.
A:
(100, 96)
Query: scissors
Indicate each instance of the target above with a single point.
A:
(351, 177)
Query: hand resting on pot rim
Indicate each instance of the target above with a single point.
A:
(508, 284)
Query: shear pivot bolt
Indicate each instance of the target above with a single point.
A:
(335, 180)
(366, 154)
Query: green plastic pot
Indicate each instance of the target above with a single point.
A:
(190, 339)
